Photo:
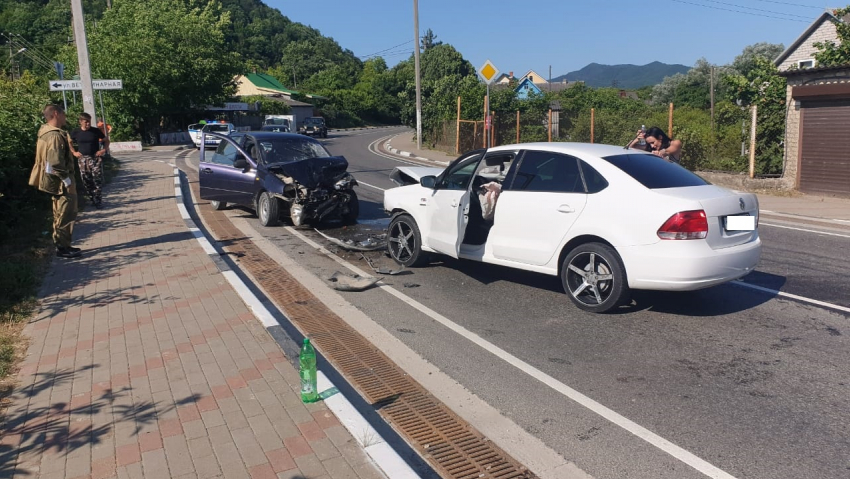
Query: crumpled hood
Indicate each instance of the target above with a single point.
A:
(45, 128)
(314, 172)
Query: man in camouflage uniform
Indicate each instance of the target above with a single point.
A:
(90, 157)
(53, 173)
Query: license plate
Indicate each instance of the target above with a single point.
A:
(742, 222)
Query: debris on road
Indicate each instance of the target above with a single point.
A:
(410, 285)
(372, 243)
(380, 270)
(343, 282)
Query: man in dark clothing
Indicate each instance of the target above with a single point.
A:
(90, 157)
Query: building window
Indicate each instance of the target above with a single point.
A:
(806, 64)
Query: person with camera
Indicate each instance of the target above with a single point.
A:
(655, 141)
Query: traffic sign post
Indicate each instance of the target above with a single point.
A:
(64, 85)
(488, 72)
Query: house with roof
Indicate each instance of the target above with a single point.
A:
(527, 87)
(261, 84)
(817, 113)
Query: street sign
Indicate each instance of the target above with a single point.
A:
(488, 72)
(60, 85)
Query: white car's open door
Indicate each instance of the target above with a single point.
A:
(448, 206)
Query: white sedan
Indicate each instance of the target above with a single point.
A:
(602, 218)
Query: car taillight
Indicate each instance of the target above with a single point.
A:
(685, 225)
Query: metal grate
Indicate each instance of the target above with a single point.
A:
(451, 446)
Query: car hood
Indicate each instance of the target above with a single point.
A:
(410, 175)
(313, 172)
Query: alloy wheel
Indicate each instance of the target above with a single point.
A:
(590, 278)
(401, 241)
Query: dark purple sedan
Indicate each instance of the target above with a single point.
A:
(277, 174)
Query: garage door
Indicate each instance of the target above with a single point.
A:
(825, 147)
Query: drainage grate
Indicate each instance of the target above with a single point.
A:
(452, 447)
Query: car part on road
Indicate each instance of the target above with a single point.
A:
(368, 245)
(405, 243)
(380, 270)
(343, 282)
(218, 205)
(594, 278)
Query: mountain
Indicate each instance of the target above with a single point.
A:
(623, 76)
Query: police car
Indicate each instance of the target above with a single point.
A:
(220, 127)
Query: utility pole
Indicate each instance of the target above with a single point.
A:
(83, 58)
(550, 78)
(295, 83)
(712, 98)
(416, 64)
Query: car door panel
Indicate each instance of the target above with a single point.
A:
(536, 210)
(220, 180)
(448, 206)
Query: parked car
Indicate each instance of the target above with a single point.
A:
(276, 128)
(314, 126)
(279, 174)
(604, 219)
(221, 128)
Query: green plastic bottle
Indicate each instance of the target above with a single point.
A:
(307, 358)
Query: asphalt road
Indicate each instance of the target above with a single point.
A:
(753, 384)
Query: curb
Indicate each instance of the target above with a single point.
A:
(389, 149)
(382, 454)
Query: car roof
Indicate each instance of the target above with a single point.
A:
(570, 148)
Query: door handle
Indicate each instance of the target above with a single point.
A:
(566, 209)
(207, 171)
(454, 203)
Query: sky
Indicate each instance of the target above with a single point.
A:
(563, 34)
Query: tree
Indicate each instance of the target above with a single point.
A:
(763, 87)
(831, 54)
(745, 62)
(429, 40)
(170, 54)
(692, 88)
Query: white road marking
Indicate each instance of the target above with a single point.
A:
(365, 435)
(793, 296)
(804, 230)
(659, 442)
(843, 221)
(371, 186)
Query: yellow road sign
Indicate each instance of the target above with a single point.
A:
(488, 71)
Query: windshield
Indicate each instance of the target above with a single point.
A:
(285, 150)
(217, 128)
(313, 121)
(277, 121)
(654, 172)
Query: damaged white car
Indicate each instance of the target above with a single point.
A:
(278, 175)
(604, 219)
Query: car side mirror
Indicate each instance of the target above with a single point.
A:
(242, 163)
(429, 181)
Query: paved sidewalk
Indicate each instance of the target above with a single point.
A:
(144, 362)
(829, 208)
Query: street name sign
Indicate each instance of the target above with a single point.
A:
(64, 85)
(488, 72)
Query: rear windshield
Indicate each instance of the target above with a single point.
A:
(654, 172)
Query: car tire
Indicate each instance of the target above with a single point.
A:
(353, 209)
(594, 278)
(404, 242)
(268, 210)
(218, 205)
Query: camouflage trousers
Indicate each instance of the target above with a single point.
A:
(64, 214)
(91, 172)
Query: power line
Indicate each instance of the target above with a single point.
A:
(739, 11)
(757, 9)
(790, 4)
(385, 49)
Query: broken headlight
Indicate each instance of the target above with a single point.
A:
(346, 183)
